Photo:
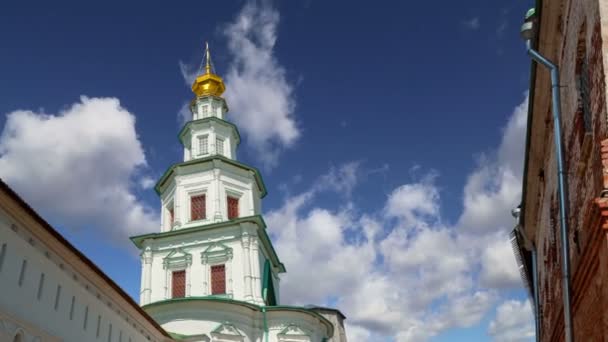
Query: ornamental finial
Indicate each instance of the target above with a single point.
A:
(207, 59)
(208, 83)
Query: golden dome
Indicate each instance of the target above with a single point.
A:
(208, 83)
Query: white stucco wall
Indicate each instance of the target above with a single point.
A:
(244, 263)
(200, 317)
(216, 184)
(48, 312)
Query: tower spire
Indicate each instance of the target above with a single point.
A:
(208, 83)
(207, 59)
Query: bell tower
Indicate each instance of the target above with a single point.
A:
(212, 240)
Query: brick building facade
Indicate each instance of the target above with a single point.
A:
(572, 34)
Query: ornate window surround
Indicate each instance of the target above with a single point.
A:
(197, 192)
(293, 333)
(226, 332)
(216, 254)
(177, 260)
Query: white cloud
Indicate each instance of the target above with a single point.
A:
(258, 92)
(413, 202)
(498, 265)
(400, 273)
(514, 322)
(472, 24)
(494, 188)
(79, 166)
(260, 97)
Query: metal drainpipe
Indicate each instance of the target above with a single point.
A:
(562, 187)
(264, 295)
(265, 324)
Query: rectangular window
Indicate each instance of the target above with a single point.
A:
(2, 254)
(98, 325)
(171, 216)
(110, 333)
(204, 111)
(178, 284)
(57, 297)
(72, 308)
(219, 145)
(40, 286)
(22, 273)
(218, 279)
(203, 145)
(120, 336)
(86, 318)
(197, 208)
(233, 207)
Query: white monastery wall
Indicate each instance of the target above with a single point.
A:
(47, 293)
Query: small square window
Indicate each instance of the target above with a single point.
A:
(203, 145)
(219, 145)
(233, 207)
(197, 208)
(178, 284)
(218, 279)
(171, 215)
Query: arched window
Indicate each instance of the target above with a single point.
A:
(18, 337)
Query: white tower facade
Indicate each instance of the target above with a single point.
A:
(211, 273)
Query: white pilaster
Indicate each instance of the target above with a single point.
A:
(246, 266)
(146, 276)
(205, 278)
(255, 269)
(217, 217)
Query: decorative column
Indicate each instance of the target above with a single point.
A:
(247, 265)
(250, 195)
(228, 266)
(146, 275)
(178, 214)
(217, 217)
(255, 267)
(205, 276)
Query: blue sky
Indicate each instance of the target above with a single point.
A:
(389, 130)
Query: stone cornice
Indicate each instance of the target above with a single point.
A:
(214, 159)
(256, 219)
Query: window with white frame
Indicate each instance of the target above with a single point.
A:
(171, 215)
(204, 111)
(219, 146)
(203, 144)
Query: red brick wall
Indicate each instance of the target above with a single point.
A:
(577, 35)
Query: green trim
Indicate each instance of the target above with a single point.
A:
(171, 170)
(182, 132)
(268, 293)
(182, 337)
(266, 333)
(178, 336)
(256, 219)
(244, 304)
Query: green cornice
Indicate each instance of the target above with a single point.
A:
(241, 303)
(209, 119)
(256, 219)
(171, 169)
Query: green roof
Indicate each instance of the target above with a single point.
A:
(257, 219)
(171, 170)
